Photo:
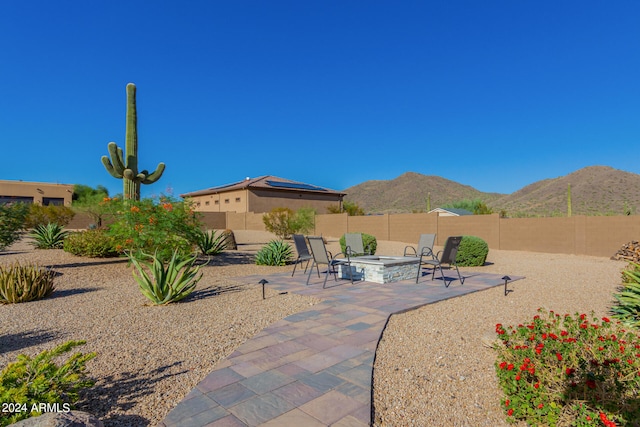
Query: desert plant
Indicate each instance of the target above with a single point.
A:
(279, 222)
(43, 215)
(210, 242)
(303, 221)
(92, 243)
(125, 165)
(163, 284)
(569, 370)
(159, 226)
(276, 252)
(23, 283)
(472, 252)
(29, 382)
(12, 220)
(367, 241)
(627, 305)
(49, 236)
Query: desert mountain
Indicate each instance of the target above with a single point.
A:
(595, 190)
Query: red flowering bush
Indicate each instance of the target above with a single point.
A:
(569, 370)
(159, 226)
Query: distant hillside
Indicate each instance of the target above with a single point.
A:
(595, 190)
(409, 191)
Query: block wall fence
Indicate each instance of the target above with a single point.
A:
(578, 235)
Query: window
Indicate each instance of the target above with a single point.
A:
(55, 201)
(237, 199)
(217, 202)
(226, 200)
(206, 203)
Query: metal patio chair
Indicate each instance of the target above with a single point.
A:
(425, 246)
(445, 256)
(354, 245)
(303, 252)
(322, 257)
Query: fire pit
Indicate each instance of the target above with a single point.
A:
(382, 269)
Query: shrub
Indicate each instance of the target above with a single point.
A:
(367, 240)
(303, 220)
(165, 284)
(12, 220)
(279, 222)
(276, 252)
(564, 370)
(230, 239)
(211, 243)
(29, 382)
(50, 236)
(92, 243)
(161, 227)
(43, 215)
(23, 283)
(627, 305)
(472, 252)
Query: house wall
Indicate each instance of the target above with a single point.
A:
(37, 192)
(230, 201)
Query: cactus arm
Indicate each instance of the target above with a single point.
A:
(155, 175)
(117, 157)
(109, 167)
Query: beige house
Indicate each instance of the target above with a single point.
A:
(450, 212)
(263, 194)
(40, 193)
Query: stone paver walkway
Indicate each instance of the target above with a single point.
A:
(313, 368)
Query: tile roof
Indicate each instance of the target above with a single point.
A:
(266, 181)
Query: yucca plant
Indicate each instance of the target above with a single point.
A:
(23, 283)
(50, 236)
(163, 284)
(210, 242)
(30, 382)
(627, 305)
(276, 252)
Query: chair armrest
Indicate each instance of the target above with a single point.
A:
(406, 250)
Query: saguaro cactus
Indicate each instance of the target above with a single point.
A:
(126, 168)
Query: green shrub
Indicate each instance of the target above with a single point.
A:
(159, 226)
(627, 305)
(564, 370)
(165, 284)
(303, 221)
(23, 283)
(50, 236)
(210, 242)
(30, 382)
(12, 220)
(367, 241)
(276, 252)
(92, 243)
(43, 215)
(283, 222)
(472, 252)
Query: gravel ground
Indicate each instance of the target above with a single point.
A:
(433, 366)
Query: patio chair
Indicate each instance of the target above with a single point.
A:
(445, 256)
(354, 245)
(303, 252)
(322, 257)
(425, 246)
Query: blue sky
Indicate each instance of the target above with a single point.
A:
(495, 94)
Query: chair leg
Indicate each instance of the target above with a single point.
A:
(294, 267)
(327, 276)
(459, 276)
(306, 266)
(311, 271)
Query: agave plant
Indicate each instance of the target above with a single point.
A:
(50, 236)
(276, 252)
(627, 306)
(210, 242)
(23, 283)
(163, 284)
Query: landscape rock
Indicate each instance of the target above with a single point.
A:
(61, 419)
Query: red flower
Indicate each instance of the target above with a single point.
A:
(503, 365)
(518, 377)
(570, 371)
(510, 412)
(536, 385)
(510, 367)
(540, 406)
(606, 319)
(559, 356)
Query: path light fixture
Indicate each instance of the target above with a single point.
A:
(263, 282)
(506, 280)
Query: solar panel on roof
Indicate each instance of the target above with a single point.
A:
(294, 186)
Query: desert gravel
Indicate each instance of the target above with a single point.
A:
(433, 365)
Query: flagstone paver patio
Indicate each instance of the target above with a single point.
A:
(313, 368)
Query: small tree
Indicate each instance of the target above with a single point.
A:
(352, 208)
(12, 220)
(283, 222)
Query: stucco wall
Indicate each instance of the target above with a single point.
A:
(37, 191)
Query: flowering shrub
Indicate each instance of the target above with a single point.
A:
(564, 370)
(153, 226)
(12, 220)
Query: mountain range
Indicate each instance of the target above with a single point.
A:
(595, 190)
